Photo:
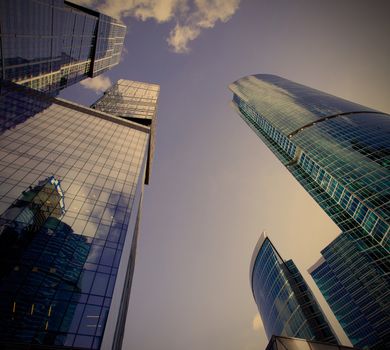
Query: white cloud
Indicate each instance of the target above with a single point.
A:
(97, 84)
(159, 10)
(257, 323)
(211, 11)
(191, 16)
(85, 2)
(180, 36)
(206, 14)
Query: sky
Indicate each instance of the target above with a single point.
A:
(215, 186)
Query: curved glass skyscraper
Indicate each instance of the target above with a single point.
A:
(339, 152)
(285, 302)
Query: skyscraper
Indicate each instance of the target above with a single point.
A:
(50, 44)
(353, 287)
(135, 101)
(338, 151)
(70, 196)
(285, 302)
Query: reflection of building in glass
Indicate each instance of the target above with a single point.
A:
(101, 162)
(40, 262)
(25, 217)
(287, 343)
(285, 302)
(49, 45)
(339, 152)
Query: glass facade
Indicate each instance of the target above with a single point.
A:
(71, 182)
(285, 302)
(50, 44)
(286, 343)
(349, 282)
(135, 101)
(339, 152)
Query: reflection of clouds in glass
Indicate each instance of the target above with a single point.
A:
(114, 198)
(111, 208)
(68, 219)
(75, 206)
(78, 226)
(102, 231)
(73, 189)
(86, 209)
(104, 195)
(95, 254)
(273, 95)
(90, 229)
(268, 98)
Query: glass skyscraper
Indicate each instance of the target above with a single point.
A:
(70, 196)
(285, 302)
(135, 101)
(339, 152)
(50, 44)
(353, 287)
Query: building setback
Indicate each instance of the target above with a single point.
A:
(285, 302)
(51, 44)
(338, 151)
(71, 189)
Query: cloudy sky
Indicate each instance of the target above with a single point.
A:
(215, 186)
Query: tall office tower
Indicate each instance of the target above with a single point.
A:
(285, 302)
(70, 196)
(338, 151)
(135, 101)
(50, 44)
